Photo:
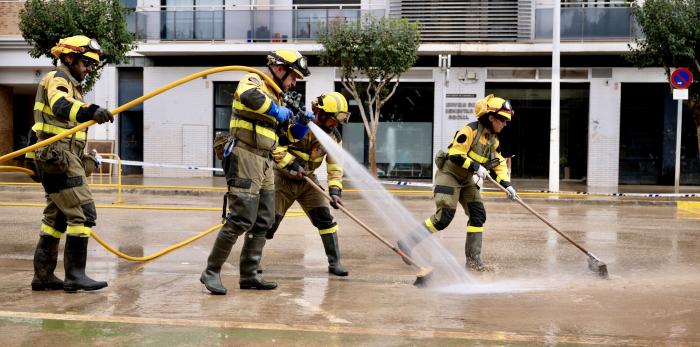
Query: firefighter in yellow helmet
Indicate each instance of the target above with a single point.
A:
(473, 154)
(259, 122)
(302, 158)
(63, 166)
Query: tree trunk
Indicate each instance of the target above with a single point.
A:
(372, 156)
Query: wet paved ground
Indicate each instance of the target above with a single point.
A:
(541, 291)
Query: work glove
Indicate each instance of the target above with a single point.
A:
(280, 113)
(306, 117)
(481, 171)
(512, 194)
(102, 115)
(335, 192)
(296, 169)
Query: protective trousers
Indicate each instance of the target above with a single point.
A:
(316, 206)
(251, 203)
(450, 190)
(70, 209)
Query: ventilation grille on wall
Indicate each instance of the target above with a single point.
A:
(455, 21)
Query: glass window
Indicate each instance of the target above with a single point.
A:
(405, 135)
(511, 73)
(192, 20)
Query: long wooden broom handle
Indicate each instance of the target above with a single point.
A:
(521, 202)
(363, 225)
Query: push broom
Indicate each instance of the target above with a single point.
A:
(424, 273)
(594, 263)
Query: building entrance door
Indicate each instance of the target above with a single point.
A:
(527, 137)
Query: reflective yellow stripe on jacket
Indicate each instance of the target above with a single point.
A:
(52, 129)
(38, 106)
(262, 130)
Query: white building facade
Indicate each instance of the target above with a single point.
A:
(504, 49)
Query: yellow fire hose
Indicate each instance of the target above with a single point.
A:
(16, 169)
(137, 101)
(157, 254)
(123, 108)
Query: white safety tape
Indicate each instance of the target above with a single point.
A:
(169, 166)
(646, 195)
(413, 184)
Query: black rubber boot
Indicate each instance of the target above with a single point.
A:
(250, 262)
(409, 241)
(211, 276)
(45, 258)
(330, 244)
(74, 258)
(472, 249)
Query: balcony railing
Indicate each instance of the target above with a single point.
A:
(441, 21)
(588, 24)
(302, 24)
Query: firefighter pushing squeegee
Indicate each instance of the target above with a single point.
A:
(474, 152)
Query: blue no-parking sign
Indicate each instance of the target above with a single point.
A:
(681, 78)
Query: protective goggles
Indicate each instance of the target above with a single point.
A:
(506, 106)
(342, 116)
(92, 46)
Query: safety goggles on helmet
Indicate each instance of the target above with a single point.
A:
(505, 110)
(92, 46)
(342, 116)
(334, 105)
(78, 44)
(292, 60)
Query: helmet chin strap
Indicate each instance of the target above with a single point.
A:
(76, 58)
(276, 79)
(487, 123)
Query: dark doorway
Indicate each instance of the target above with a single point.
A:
(22, 120)
(131, 121)
(648, 117)
(527, 136)
(641, 119)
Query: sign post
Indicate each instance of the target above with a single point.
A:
(681, 78)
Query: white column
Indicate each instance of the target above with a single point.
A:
(554, 123)
(603, 136)
(679, 127)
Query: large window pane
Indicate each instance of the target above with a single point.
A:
(404, 137)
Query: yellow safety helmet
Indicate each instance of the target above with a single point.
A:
(78, 44)
(494, 104)
(290, 58)
(335, 104)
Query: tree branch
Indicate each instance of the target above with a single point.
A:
(393, 90)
